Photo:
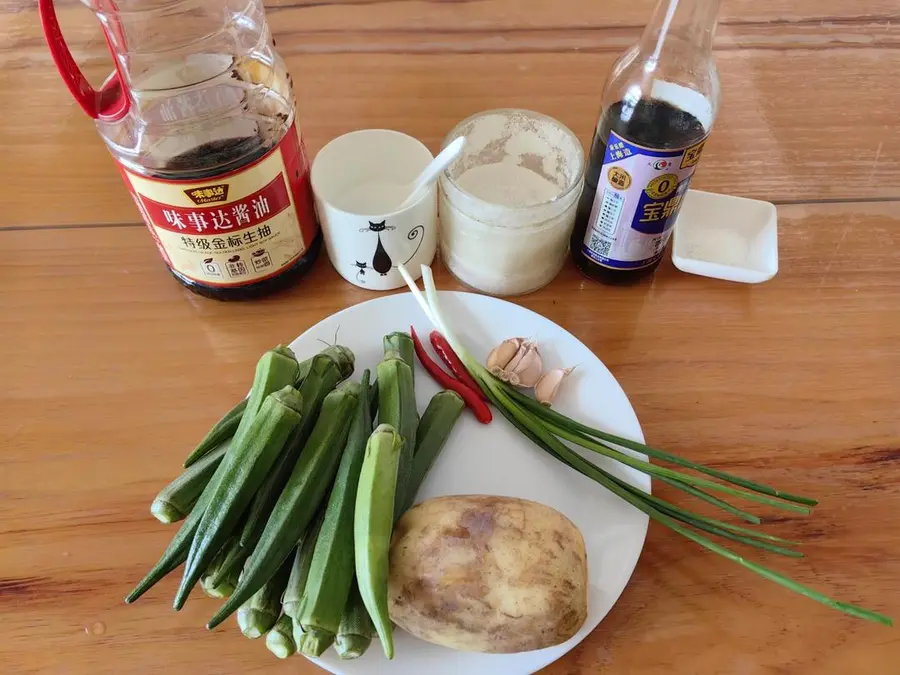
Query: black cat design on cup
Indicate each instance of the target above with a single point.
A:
(381, 260)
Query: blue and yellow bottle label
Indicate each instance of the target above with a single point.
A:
(639, 194)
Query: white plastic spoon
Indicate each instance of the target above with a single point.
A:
(431, 172)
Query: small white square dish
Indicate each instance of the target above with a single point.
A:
(726, 237)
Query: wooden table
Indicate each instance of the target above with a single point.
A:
(111, 371)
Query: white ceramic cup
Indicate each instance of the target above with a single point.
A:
(359, 179)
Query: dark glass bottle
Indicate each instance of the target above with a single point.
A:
(657, 110)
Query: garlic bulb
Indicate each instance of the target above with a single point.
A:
(501, 355)
(527, 370)
(516, 361)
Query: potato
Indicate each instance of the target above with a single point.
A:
(488, 574)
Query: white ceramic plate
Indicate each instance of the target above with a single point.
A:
(497, 459)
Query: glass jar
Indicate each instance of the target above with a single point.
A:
(508, 202)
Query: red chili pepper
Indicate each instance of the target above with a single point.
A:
(448, 356)
(478, 407)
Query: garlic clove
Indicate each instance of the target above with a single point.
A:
(547, 387)
(502, 354)
(530, 368)
(524, 347)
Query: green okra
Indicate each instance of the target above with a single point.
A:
(176, 499)
(372, 525)
(325, 372)
(276, 369)
(280, 640)
(177, 550)
(401, 344)
(298, 634)
(258, 615)
(220, 432)
(332, 567)
(301, 498)
(245, 467)
(214, 582)
(434, 429)
(397, 407)
(300, 565)
(356, 630)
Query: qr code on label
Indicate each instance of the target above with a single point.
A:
(600, 245)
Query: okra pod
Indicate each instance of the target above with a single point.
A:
(214, 582)
(176, 500)
(372, 525)
(245, 467)
(331, 570)
(300, 564)
(228, 562)
(325, 372)
(355, 632)
(220, 432)
(177, 550)
(302, 496)
(276, 369)
(280, 640)
(397, 407)
(434, 429)
(257, 616)
(401, 344)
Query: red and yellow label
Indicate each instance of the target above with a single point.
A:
(233, 229)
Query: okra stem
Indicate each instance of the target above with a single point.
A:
(355, 632)
(280, 640)
(316, 641)
(402, 344)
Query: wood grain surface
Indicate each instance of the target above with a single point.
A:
(111, 371)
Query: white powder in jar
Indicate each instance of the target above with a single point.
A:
(507, 184)
(508, 203)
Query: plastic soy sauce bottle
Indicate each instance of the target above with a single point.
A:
(658, 108)
(199, 117)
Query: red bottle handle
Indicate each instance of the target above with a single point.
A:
(109, 103)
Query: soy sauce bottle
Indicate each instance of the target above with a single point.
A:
(198, 115)
(657, 110)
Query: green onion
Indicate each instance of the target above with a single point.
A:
(549, 429)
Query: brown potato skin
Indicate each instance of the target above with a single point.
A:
(490, 574)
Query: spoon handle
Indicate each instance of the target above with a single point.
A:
(434, 168)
